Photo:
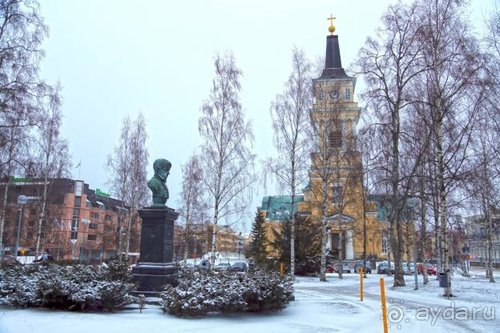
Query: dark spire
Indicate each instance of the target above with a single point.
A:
(333, 64)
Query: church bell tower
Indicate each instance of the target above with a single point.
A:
(335, 161)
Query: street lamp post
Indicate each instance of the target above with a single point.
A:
(239, 245)
(73, 241)
(85, 235)
(21, 200)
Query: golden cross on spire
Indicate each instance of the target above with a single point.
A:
(331, 28)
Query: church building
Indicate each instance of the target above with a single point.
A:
(356, 224)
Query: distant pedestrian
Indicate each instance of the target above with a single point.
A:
(46, 256)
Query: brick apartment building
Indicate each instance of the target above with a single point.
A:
(80, 223)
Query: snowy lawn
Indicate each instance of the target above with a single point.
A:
(331, 306)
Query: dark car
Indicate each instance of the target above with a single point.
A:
(359, 264)
(383, 268)
(222, 266)
(239, 266)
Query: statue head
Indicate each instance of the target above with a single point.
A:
(162, 168)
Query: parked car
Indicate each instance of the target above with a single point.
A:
(222, 266)
(383, 268)
(431, 269)
(408, 269)
(359, 264)
(239, 266)
(45, 257)
(205, 264)
(346, 267)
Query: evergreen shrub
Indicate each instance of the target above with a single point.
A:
(200, 292)
(77, 287)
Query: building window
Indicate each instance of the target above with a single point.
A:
(92, 225)
(94, 215)
(74, 229)
(92, 237)
(385, 244)
(347, 94)
(338, 192)
(108, 218)
(335, 139)
(74, 225)
(321, 95)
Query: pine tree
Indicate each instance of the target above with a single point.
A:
(307, 245)
(259, 240)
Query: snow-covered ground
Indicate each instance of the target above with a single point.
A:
(331, 306)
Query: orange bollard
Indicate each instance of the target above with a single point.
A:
(281, 268)
(384, 307)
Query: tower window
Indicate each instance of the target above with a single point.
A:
(335, 139)
(321, 95)
(337, 194)
(347, 94)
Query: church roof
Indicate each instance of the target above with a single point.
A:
(279, 207)
(333, 63)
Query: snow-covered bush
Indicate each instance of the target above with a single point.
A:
(77, 287)
(308, 266)
(18, 286)
(200, 292)
(118, 269)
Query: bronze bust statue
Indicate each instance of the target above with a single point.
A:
(157, 182)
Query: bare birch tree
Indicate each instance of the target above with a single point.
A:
(127, 165)
(53, 154)
(226, 148)
(193, 204)
(453, 84)
(390, 65)
(290, 116)
(22, 31)
(484, 190)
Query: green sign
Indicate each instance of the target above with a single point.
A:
(20, 180)
(101, 193)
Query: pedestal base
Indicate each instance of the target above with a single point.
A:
(155, 268)
(151, 277)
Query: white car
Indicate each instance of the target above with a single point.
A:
(222, 266)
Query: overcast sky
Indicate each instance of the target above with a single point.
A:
(116, 58)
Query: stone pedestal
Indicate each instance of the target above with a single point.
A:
(155, 267)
